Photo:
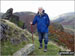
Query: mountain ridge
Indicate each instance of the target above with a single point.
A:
(67, 20)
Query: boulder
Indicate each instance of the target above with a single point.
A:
(3, 28)
(13, 34)
(9, 15)
(25, 51)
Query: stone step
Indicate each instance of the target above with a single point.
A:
(25, 51)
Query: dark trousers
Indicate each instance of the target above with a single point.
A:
(43, 36)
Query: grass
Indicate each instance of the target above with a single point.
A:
(8, 49)
(52, 49)
(69, 26)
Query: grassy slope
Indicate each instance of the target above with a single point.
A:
(9, 49)
(52, 49)
(69, 28)
(6, 47)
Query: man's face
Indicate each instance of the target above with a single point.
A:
(40, 10)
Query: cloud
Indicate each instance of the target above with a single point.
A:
(52, 8)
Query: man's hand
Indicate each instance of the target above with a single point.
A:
(31, 23)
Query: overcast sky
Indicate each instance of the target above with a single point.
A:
(52, 8)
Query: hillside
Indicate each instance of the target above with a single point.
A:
(66, 37)
(58, 35)
(26, 17)
(67, 20)
(14, 38)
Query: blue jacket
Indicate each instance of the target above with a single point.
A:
(42, 22)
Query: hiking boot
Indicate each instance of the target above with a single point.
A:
(40, 47)
(45, 50)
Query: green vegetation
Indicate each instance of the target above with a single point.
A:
(52, 49)
(15, 38)
(8, 49)
(69, 26)
(54, 37)
(19, 23)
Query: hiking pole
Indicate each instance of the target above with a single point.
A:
(32, 34)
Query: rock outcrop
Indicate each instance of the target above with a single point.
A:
(9, 31)
(9, 15)
(25, 51)
(14, 35)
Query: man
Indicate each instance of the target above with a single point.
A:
(43, 22)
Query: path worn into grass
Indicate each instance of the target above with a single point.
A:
(52, 49)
